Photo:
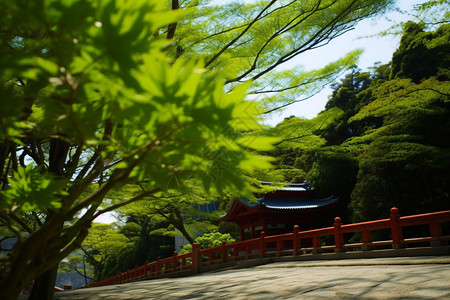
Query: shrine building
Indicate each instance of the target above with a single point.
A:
(277, 212)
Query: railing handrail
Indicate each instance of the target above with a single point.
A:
(246, 249)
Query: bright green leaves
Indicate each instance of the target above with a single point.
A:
(250, 40)
(32, 190)
(421, 54)
(102, 82)
(190, 125)
(402, 105)
(209, 240)
(432, 12)
(108, 108)
(284, 87)
(125, 28)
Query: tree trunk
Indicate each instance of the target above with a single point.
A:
(172, 27)
(11, 291)
(43, 287)
(178, 222)
(186, 234)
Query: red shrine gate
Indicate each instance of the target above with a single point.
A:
(278, 211)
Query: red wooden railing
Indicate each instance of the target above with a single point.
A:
(295, 243)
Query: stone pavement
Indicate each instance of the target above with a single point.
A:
(376, 278)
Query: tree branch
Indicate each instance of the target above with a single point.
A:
(134, 199)
(240, 35)
(279, 32)
(239, 26)
(173, 26)
(323, 34)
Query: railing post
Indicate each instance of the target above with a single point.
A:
(316, 245)
(224, 251)
(262, 244)
(196, 258)
(146, 268)
(435, 231)
(295, 241)
(338, 237)
(396, 229)
(367, 240)
(175, 261)
(158, 266)
(166, 267)
(134, 272)
(279, 248)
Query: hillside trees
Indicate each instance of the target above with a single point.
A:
(311, 149)
(90, 103)
(110, 248)
(105, 242)
(407, 161)
(177, 208)
(384, 144)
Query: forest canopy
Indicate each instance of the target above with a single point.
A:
(382, 140)
(150, 104)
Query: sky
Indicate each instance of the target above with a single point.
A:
(376, 49)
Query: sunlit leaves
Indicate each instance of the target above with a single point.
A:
(294, 85)
(432, 12)
(253, 40)
(95, 75)
(402, 103)
(209, 240)
(30, 190)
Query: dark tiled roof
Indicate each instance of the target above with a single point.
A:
(277, 203)
(247, 202)
(299, 203)
(291, 187)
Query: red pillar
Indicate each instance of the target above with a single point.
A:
(367, 240)
(396, 229)
(175, 261)
(316, 245)
(196, 258)
(338, 237)
(242, 233)
(295, 240)
(224, 251)
(262, 244)
(435, 231)
(158, 266)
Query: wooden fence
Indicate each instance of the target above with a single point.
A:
(296, 243)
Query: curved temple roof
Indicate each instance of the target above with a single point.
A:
(297, 203)
(292, 187)
(289, 204)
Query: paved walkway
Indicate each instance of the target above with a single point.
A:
(378, 278)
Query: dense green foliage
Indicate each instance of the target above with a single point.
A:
(91, 102)
(112, 248)
(209, 240)
(384, 135)
(252, 40)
